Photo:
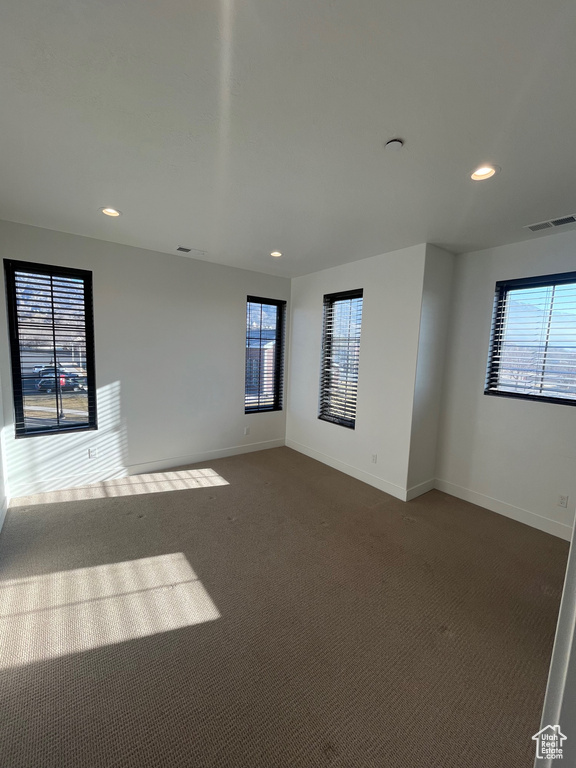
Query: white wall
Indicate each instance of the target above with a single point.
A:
(170, 341)
(3, 489)
(405, 316)
(392, 286)
(432, 344)
(508, 455)
(560, 701)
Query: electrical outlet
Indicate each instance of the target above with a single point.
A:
(92, 453)
(246, 430)
(563, 501)
(374, 458)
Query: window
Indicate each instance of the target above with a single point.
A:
(264, 354)
(533, 343)
(52, 347)
(340, 352)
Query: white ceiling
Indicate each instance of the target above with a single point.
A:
(238, 127)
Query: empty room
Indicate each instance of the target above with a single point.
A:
(287, 384)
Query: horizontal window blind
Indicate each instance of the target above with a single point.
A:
(264, 354)
(52, 348)
(533, 343)
(340, 357)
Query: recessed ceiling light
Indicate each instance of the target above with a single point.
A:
(484, 172)
(276, 254)
(111, 211)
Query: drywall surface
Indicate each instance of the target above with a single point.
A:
(432, 343)
(564, 660)
(392, 285)
(511, 456)
(170, 356)
(3, 489)
(560, 700)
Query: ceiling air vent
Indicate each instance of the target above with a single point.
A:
(196, 252)
(564, 220)
(552, 223)
(538, 227)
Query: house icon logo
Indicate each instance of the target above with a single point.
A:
(549, 742)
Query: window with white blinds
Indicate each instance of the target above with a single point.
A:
(52, 348)
(533, 343)
(340, 356)
(264, 354)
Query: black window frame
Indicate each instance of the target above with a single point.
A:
(278, 397)
(12, 266)
(330, 299)
(503, 288)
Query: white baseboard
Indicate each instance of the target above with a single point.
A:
(47, 484)
(97, 475)
(508, 510)
(495, 505)
(194, 458)
(418, 490)
(383, 485)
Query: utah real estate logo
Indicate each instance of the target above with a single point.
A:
(549, 742)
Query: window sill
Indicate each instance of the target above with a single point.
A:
(66, 431)
(533, 398)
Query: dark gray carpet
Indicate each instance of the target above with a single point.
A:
(292, 618)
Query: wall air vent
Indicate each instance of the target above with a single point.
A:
(183, 250)
(571, 219)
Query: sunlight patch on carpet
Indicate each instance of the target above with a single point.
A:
(53, 615)
(134, 485)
